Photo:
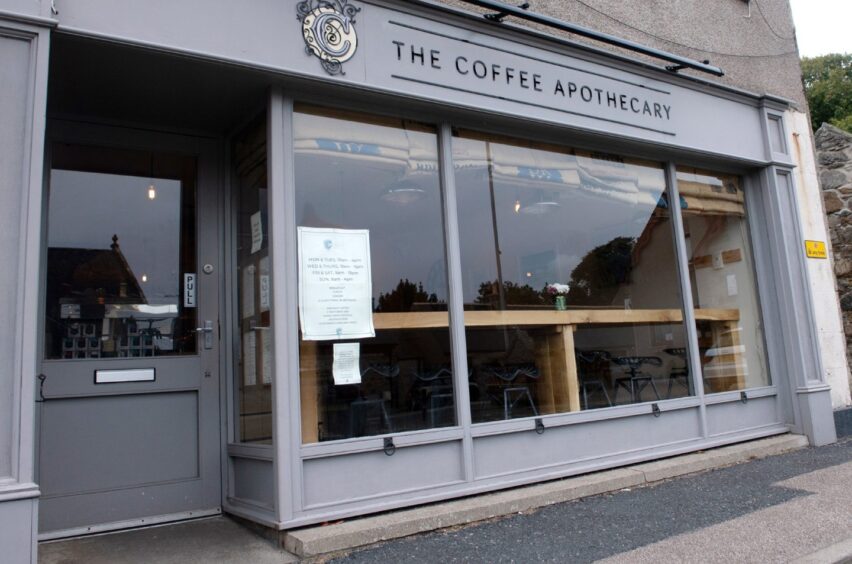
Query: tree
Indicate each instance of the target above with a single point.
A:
(828, 88)
(405, 295)
(596, 280)
(514, 294)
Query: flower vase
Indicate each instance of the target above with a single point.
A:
(561, 303)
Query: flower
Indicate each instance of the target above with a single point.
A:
(558, 289)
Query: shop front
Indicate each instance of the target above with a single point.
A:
(327, 259)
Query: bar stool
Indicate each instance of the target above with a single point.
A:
(635, 381)
(677, 374)
(592, 360)
(362, 411)
(520, 393)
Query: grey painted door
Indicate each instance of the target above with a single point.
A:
(129, 401)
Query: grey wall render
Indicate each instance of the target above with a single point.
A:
(753, 42)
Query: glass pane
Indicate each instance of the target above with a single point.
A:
(730, 334)
(119, 244)
(358, 172)
(574, 250)
(254, 374)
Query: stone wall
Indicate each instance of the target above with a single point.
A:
(834, 155)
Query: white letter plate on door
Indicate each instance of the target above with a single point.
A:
(130, 375)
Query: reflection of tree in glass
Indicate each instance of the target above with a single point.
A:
(515, 294)
(596, 279)
(404, 296)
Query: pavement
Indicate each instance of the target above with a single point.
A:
(793, 507)
(203, 541)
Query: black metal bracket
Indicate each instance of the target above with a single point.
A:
(503, 10)
(539, 426)
(389, 448)
(743, 397)
(655, 409)
(41, 379)
(500, 16)
(675, 68)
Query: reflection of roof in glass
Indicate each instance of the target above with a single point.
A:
(90, 274)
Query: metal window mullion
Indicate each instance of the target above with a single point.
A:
(456, 294)
(286, 411)
(694, 355)
(291, 313)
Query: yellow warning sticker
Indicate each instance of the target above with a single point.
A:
(815, 249)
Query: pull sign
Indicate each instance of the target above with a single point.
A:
(189, 289)
(816, 249)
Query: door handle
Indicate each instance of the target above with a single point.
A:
(207, 331)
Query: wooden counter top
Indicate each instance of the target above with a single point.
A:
(436, 319)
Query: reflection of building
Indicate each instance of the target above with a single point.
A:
(98, 307)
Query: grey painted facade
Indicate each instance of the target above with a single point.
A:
(24, 51)
(288, 484)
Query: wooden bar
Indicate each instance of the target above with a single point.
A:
(557, 389)
(309, 391)
(569, 382)
(729, 363)
(544, 389)
(439, 319)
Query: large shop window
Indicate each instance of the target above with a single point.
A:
(358, 174)
(571, 291)
(721, 272)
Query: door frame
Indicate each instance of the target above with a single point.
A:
(208, 150)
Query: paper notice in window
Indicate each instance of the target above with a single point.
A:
(247, 291)
(346, 367)
(266, 353)
(335, 285)
(256, 232)
(264, 284)
(249, 359)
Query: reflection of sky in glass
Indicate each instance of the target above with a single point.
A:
(344, 170)
(550, 209)
(87, 209)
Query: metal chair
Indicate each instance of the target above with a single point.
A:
(635, 380)
(508, 375)
(592, 361)
(678, 374)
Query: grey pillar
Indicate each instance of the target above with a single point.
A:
(24, 46)
(805, 377)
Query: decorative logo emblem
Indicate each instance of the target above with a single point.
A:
(328, 30)
(327, 244)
